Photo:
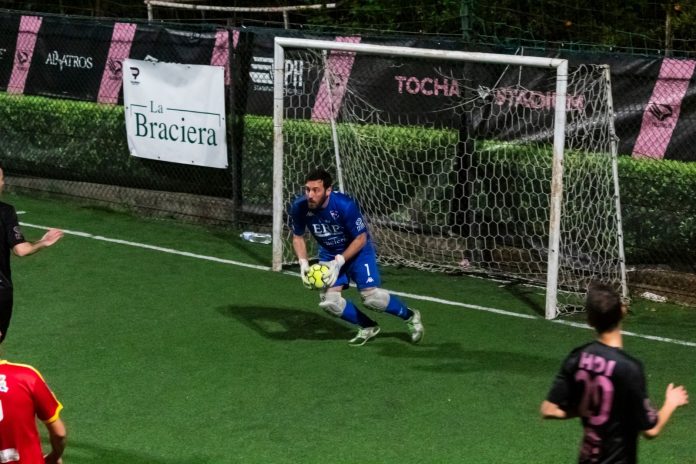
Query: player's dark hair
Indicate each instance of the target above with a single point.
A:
(321, 174)
(603, 306)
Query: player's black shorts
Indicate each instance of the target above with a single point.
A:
(5, 312)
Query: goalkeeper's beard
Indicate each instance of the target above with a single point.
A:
(317, 204)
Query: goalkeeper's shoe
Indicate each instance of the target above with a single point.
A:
(415, 326)
(364, 334)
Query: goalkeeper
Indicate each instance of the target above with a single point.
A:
(345, 246)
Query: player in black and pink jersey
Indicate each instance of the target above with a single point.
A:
(606, 388)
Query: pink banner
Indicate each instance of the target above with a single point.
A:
(121, 41)
(662, 113)
(26, 41)
(339, 66)
(221, 53)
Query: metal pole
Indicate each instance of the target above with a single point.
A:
(556, 190)
(617, 195)
(278, 148)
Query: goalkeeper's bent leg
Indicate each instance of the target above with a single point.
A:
(380, 300)
(334, 304)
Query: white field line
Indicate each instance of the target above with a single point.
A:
(407, 295)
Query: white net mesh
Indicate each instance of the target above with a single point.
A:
(451, 162)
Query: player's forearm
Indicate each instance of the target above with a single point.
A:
(355, 246)
(28, 248)
(674, 398)
(57, 436)
(663, 416)
(300, 247)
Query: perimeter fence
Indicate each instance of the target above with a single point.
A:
(63, 126)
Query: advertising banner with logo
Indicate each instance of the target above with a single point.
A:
(654, 97)
(68, 59)
(255, 51)
(175, 112)
(169, 45)
(9, 27)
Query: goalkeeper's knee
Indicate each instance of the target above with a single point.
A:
(376, 299)
(333, 303)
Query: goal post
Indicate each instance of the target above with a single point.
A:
(461, 161)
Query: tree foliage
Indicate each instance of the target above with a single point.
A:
(638, 24)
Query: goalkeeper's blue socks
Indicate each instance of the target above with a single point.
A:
(352, 314)
(398, 308)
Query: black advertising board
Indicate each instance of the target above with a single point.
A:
(68, 59)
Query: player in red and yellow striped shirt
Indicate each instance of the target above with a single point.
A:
(24, 396)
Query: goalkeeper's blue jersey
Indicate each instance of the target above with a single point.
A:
(334, 227)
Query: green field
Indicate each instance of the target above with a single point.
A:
(163, 357)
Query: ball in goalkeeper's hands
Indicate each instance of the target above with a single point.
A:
(315, 276)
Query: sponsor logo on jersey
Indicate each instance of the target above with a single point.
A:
(9, 455)
(326, 230)
(3, 384)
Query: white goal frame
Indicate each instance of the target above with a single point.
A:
(556, 190)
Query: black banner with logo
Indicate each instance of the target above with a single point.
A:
(68, 59)
(654, 97)
(153, 43)
(9, 26)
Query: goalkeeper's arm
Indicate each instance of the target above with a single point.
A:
(355, 246)
(300, 247)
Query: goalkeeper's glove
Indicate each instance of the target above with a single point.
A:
(304, 269)
(334, 268)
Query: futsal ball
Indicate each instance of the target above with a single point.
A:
(315, 275)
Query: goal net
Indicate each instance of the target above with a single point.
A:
(461, 162)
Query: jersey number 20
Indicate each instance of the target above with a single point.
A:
(597, 397)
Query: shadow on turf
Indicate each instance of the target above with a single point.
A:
(454, 358)
(527, 295)
(89, 453)
(287, 324)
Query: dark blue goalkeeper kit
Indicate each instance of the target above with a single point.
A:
(334, 227)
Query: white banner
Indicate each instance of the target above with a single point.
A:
(175, 112)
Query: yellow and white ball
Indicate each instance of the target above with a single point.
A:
(316, 274)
